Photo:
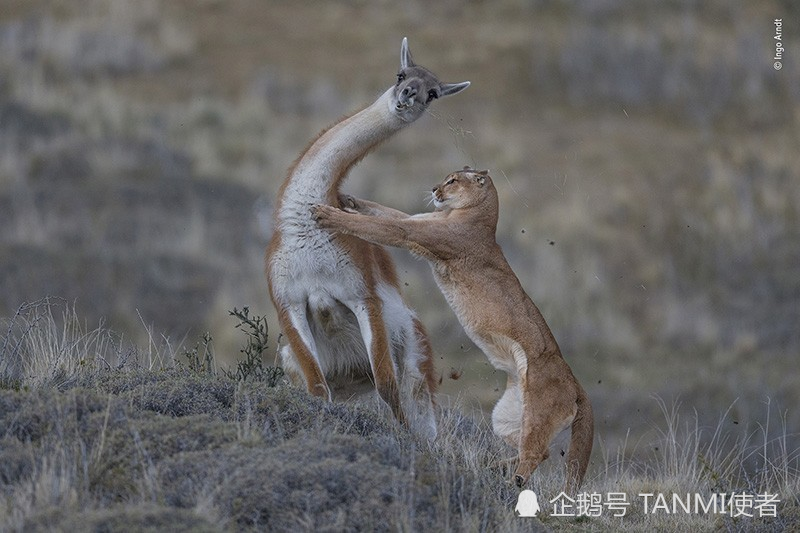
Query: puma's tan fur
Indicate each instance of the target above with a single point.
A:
(542, 395)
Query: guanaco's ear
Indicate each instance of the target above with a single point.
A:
(452, 88)
(405, 55)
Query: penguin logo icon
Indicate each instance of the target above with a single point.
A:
(527, 504)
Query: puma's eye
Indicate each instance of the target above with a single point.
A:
(432, 95)
(450, 182)
(400, 77)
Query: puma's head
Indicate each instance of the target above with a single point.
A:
(464, 189)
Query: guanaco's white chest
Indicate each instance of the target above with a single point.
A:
(309, 262)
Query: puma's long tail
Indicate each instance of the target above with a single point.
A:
(580, 446)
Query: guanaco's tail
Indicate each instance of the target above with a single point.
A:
(580, 446)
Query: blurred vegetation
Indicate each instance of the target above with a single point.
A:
(646, 157)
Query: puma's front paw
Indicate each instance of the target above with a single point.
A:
(348, 203)
(323, 214)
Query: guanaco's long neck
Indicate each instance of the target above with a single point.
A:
(321, 169)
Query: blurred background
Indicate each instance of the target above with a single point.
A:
(647, 157)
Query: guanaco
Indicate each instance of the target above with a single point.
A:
(542, 395)
(338, 297)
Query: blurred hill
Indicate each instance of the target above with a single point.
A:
(646, 158)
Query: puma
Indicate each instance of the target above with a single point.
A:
(542, 396)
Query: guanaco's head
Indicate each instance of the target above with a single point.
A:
(465, 189)
(417, 87)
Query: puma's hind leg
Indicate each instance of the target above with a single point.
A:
(507, 415)
(548, 407)
(507, 423)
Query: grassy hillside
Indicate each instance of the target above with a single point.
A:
(99, 435)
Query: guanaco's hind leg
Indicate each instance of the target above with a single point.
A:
(426, 367)
(295, 326)
(373, 330)
(418, 384)
(548, 406)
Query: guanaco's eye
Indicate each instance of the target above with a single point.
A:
(400, 77)
(432, 95)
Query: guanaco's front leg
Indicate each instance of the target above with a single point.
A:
(293, 323)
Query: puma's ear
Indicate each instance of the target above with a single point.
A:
(467, 167)
(484, 172)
